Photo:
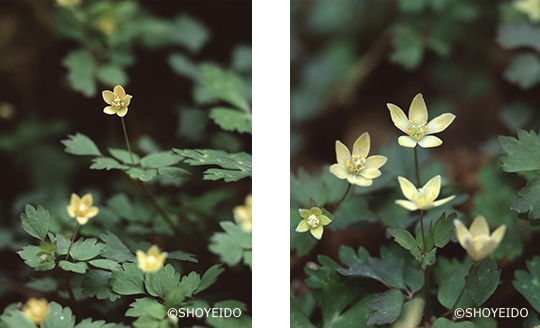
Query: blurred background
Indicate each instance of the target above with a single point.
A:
(55, 59)
(476, 59)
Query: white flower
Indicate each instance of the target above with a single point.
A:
(312, 220)
(477, 240)
(421, 198)
(417, 126)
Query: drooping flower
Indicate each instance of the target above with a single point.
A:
(477, 240)
(313, 220)
(36, 310)
(118, 100)
(531, 8)
(421, 198)
(357, 168)
(417, 128)
(82, 209)
(151, 261)
(243, 213)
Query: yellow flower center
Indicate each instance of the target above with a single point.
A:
(417, 128)
(423, 196)
(313, 221)
(81, 210)
(356, 164)
(480, 241)
(151, 262)
(118, 102)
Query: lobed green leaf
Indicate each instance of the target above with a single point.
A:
(236, 165)
(387, 307)
(521, 154)
(36, 222)
(80, 144)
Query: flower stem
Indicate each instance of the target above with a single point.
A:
(416, 167)
(343, 198)
(127, 142)
(463, 290)
(72, 240)
(72, 295)
(426, 270)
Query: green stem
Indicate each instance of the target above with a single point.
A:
(72, 295)
(463, 290)
(416, 167)
(426, 271)
(343, 198)
(127, 142)
(72, 240)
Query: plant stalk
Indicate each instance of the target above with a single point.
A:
(72, 240)
(463, 290)
(343, 198)
(72, 295)
(127, 142)
(416, 167)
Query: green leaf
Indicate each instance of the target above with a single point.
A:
(209, 277)
(29, 254)
(143, 306)
(524, 70)
(414, 278)
(430, 258)
(408, 47)
(174, 172)
(352, 210)
(190, 33)
(297, 317)
(182, 256)
(80, 144)
(387, 307)
(83, 250)
(123, 156)
(88, 323)
(143, 175)
(359, 269)
(190, 283)
(445, 323)
(528, 200)
(522, 154)
(128, 281)
(450, 286)
(81, 68)
(443, 229)
(96, 283)
(390, 271)
(411, 313)
(226, 247)
(163, 281)
(111, 75)
(528, 283)
(62, 243)
(160, 159)
(36, 222)
(79, 267)
(115, 249)
(58, 317)
(184, 66)
(248, 259)
(231, 119)
(236, 165)
(484, 281)
(45, 284)
(224, 85)
(175, 297)
(16, 319)
(417, 253)
(105, 264)
(235, 231)
(517, 35)
(404, 238)
(100, 163)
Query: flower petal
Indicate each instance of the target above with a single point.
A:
(71, 211)
(302, 226)
(462, 233)
(153, 250)
(359, 180)
(141, 257)
(109, 110)
(479, 226)
(119, 91)
(485, 250)
(342, 153)
(128, 100)
(317, 211)
(370, 174)
(82, 220)
(361, 145)
(75, 199)
(442, 201)
(108, 96)
(325, 220)
(406, 141)
(433, 187)
(473, 253)
(122, 112)
(93, 211)
(440, 123)
(418, 109)
(408, 205)
(398, 117)
(498, 234)
(317, 232)
(429, 141)
(339, 171)
(304, 213)
(407, 188)
(87, 199)
(374, 162)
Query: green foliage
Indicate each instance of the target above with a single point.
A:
(161, 282)
(36, 222)
(445, 323)
(233, 245)
(527, 283)
(83, 250)
(80, 144)
(16, 319)
(404, 238)
(521, 154)
(115, 249)
(235, 166)
(524, 70)
(298, 318)
(224, 85)
(30, 257)
(96, 284)
(443, 229)
(82, 67)
(231, 119)
(516, 35)
(450, 285)
(387, 307)
(210, 277)
(128, 281)
(528, 202)
(58, 317)
(484, 281)
(79, 267)
(190, 283)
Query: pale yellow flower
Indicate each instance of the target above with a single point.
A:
(421, 198)
(82, 209)
(151, 261)
(477, 240)
(417, 128)
(358, 168)
(312, 220)
(118, 100)
(243, 213)
(36, 310)
(531, 8)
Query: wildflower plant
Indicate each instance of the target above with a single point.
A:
(129, 226)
